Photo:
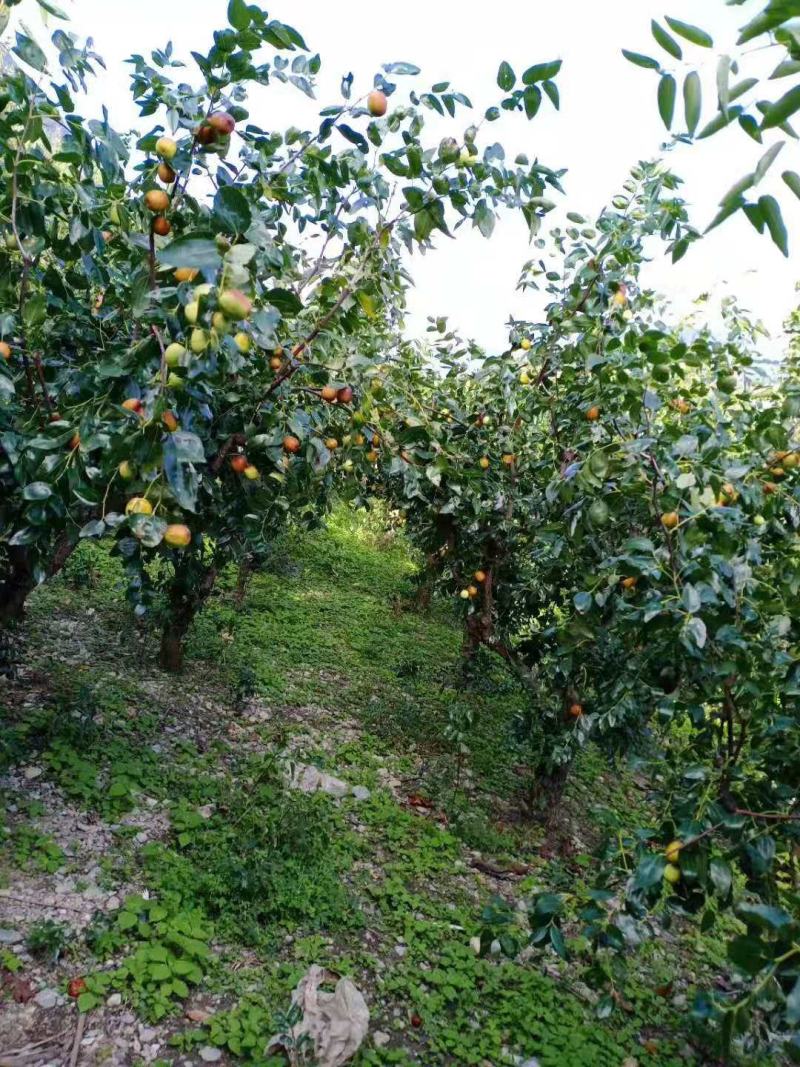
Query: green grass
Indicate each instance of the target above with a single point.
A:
(343, 674)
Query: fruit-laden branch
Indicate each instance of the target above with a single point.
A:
(37, 359)
(236, 440)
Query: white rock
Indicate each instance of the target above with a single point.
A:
(47, 998)
(360, 792)
(33, 772)
(113, 903)
(114, 1000)
(400, 950)
(10, 937)
(475, 945)
(209, 1054)
(380, 1038)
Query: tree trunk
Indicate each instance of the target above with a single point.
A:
(15, 586)
(19, 580)
(246, 568)
(187, 596)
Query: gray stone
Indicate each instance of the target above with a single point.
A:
(113, 903)
(114, 1000)
(33, 772)
(380, 1038)
(10, 937)
(209, 1054)
(47, 998)
(400, 950)
(360, 792)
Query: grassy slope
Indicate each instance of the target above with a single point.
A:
(345, 677)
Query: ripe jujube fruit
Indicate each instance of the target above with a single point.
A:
(185, 274)
(377, 103)
(575, 710)
(166, 147)
(222, 122)
(5, 350)
(291, 444)
(170, 421)
(670, 519)
(133, 403)
(138, 505)
(166, 174)
(235, 304)
(593, 413)
(345, 395)
(177, 535)
(205, 134)
(329, 393)
(162, 226)
(239, 463)
(156, 200)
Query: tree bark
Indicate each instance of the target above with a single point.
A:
(19, 581)
(186, 597)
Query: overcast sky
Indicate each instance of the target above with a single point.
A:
(608, 120)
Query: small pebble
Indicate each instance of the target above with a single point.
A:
(209, 1054)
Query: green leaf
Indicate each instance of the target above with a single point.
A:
(37, 491)
(741, 88)
(552, 91)
(690, 32)
(198, 252)
(401, 68)
(766, 161)
(641, 61)
(782, 109)
(540, 72)
(667, 42)
(126, 920)
(770, 209)
(484, 218)
(238, 14)
(667, 93)
(506, 77)
(354, 137)
(287, 302)
(231, 209)
(719, 122)
(692, 100)
(721, 878)
(792, 179)
(29, 52)
(723, 83)
(532, 99)
(87, 1001)
(793, 1005)
(765, 917)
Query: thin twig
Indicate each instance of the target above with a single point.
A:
(76, 1044)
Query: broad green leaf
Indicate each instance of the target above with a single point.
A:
(238, 14)
(551, 89)
(719, 122)
(792, 179)
(666, 40)
(641, 60)
(199, 252)
(690, 32)
(667, 93)
(782, 109)
(741, 88)
(401, 68)
(231, 209)
(37, 491)
(770, 209)
(793, 1005)
(767, 160)
(540, 72)
(721, 878)
(287, 302)
(29, 52)
(506, 77)
(692, 100)
(723, 83)
(532, 98)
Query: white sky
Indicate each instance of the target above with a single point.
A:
(608, 120)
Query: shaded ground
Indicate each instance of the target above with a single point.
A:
(151, 847)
